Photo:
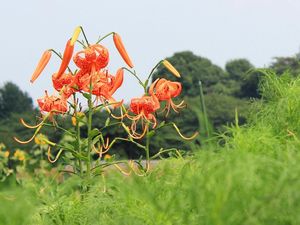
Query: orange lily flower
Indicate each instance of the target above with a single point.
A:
(102, 83)
(53, 104)
(144, 108)
(165, 90)
(65, 84)
(95, 55)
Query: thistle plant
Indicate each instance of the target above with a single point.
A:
(92, 80)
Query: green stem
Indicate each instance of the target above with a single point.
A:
(163, 151)
(58, 127)
(56, 53)
(134, 74)
(204, 109)
(82, 44)
(154, 68)
(90, 114)
(147, 149)
(77, 134)
(104, 37)
(84, 36)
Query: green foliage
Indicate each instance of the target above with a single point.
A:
(249, 87)
(274, 121)
(221, 109)
(240, 79)
(286, 64)
(17, 204)
(5, 171)
(13, 100)
(10, 127)
(237, 68)
(14, 104)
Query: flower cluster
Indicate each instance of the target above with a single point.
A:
(96, 83)
(91, 76)
(161, 90)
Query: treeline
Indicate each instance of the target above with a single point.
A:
(226, 91)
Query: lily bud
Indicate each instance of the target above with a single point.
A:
(41, 65)
(121, 49)
(75, 35)
(171, 68)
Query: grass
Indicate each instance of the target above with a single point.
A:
(253, 178)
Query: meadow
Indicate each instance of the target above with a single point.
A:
(247, 174)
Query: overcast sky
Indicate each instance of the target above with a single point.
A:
(151, 30)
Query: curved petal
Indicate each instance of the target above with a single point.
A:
(118, 81)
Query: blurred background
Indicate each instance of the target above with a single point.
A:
(218, 42)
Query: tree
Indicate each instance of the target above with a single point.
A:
(284, 64)
(237, 68)
(13, 100)
(237, 71)
(250, 85)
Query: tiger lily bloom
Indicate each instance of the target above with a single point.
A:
(102, 84)
(95, 55)
(65, 84)
(143, 108)
(165, 90)
(52, 104)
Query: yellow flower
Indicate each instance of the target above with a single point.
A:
(40, 139)
(107, 157)
(6, 154)
(20, 155)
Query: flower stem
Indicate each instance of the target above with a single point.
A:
(134, 74)
(56, 53)
(104, 37)
(147, 149)
(154, 68)
(77, 134)
(84, 36)
(90, 114)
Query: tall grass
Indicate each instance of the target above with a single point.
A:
(274, 123)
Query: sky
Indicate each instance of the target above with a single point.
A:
(220, 30)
